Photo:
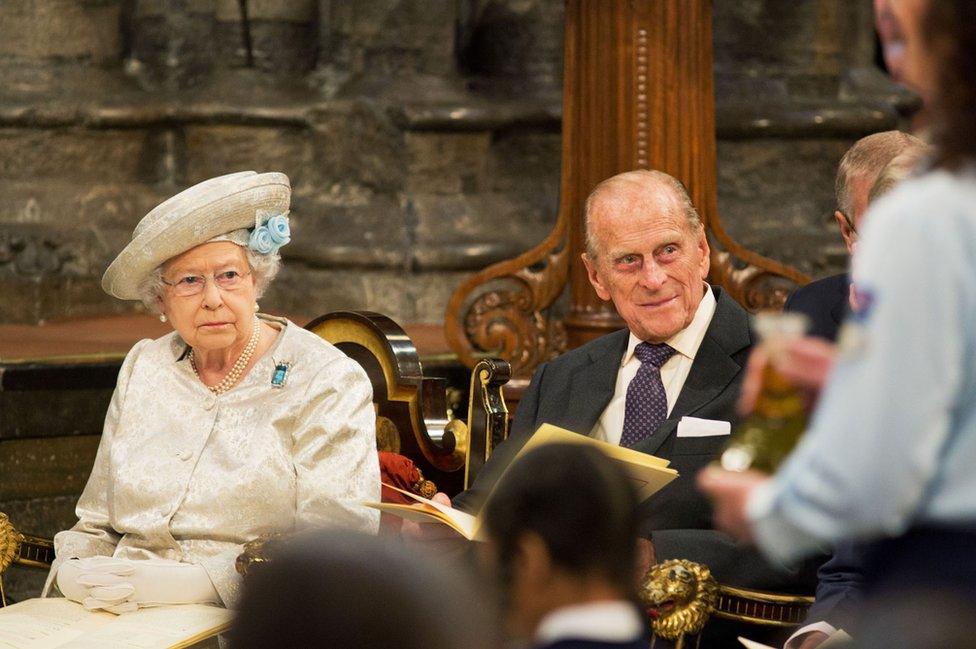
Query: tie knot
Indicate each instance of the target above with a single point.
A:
(657, 354)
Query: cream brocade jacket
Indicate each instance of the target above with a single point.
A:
(185, 475)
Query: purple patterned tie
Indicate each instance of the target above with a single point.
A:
(647, 404)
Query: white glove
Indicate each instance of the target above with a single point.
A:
(122, 585)
(99, 583)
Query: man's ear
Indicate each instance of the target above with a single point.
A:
(602, 290)
(845, 230)
(706, 259)
(534, 563)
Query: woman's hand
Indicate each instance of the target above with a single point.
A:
(806, 362)
(730, 492)
(123, 585)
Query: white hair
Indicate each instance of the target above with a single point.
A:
(264, 268)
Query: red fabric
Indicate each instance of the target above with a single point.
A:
(401, 472)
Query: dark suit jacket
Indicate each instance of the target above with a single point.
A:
(824, 302)
(573, 390)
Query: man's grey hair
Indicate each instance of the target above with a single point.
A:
(901, 167)
(866, 158)
(657, 189)
(264, 268)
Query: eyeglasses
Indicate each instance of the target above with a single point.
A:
(188, 285)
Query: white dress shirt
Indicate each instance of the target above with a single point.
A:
(609, 621)
(610, 426)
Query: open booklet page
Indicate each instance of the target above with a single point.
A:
(55, 623)
(648, 474)
(838, 638)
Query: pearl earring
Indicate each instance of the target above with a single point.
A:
(257, 307)
(162, 317)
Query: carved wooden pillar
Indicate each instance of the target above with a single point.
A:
(638, 93)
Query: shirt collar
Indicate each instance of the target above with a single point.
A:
(610, 621)
(687, 341)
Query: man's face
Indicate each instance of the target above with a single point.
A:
(650, 263)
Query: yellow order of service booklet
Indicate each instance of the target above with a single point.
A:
(648, 474)
(57, 623)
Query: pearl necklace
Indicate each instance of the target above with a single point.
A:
(232, 377)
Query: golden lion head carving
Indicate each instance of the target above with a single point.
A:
(680, 596)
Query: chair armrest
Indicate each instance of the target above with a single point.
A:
(681, 596)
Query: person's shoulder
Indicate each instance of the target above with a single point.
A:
(730, 327)
(299, 342)
(817, 290)
(608, 344)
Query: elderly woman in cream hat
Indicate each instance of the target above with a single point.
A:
(234, 425)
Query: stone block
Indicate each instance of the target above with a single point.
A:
(776, 197)
(60, 29)
(395, 36)
(446, 163)
(469, 232)
(369, 235)
(84, 155)
(214, 150)
(296, 11)
(355, 144)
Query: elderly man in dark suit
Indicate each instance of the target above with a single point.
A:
(667, 384)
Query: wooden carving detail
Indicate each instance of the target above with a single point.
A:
(638, 93)
(505, 310)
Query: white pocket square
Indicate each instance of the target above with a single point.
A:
(695, 427)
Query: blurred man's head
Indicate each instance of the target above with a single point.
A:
(562, 531)
(646, 251)
(857, 172)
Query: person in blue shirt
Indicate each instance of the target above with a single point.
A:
(901, 399)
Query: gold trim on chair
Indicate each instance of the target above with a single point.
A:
(760, 607)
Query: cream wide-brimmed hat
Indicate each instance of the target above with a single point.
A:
(193, 217)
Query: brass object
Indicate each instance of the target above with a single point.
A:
(487, 414)
(9, 544)
(760, 607)
(424, 487)
(680, 596)
(256, 553)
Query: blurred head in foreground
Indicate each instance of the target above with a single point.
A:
(561, 530)
(332, 590)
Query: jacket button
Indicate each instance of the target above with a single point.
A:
(210, 403)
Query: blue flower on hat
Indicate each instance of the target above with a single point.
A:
(278, 227)
(270, 232)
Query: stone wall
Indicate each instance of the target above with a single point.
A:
(421, 136)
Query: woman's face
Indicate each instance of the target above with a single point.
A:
(214, 318)
(917, 63)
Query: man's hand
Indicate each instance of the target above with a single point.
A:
(730, 492)
(645, 558)
(806, 362)
(430, 531)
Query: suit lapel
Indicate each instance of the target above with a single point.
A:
(592, 384)
(712, 370)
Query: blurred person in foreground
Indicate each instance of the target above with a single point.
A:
(340, 590)
(235, 425)
(901, 400)
(566, 565)
(840, 579)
